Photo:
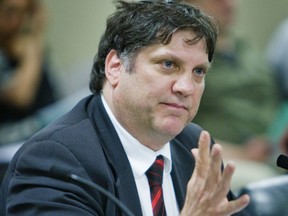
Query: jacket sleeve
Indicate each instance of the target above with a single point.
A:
(33, 191)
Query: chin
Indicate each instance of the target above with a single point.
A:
(172, 128)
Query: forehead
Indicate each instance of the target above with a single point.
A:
(182, 47)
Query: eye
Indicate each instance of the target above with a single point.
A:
(200, 72)
(168, 64)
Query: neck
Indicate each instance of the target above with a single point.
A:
(153, 142)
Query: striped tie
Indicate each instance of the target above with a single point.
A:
(154, 175)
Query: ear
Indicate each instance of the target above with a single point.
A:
(112, 68)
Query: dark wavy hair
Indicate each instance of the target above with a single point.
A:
(136, 25)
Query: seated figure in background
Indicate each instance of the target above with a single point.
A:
(240, 101)
(26, 83)
(277, 56)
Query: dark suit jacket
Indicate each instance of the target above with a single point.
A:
(85, 142)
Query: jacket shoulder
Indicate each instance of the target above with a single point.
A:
(189, 135)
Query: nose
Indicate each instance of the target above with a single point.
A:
(185, 84)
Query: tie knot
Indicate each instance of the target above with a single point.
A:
(155, 172)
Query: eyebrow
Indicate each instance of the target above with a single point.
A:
(207, 65)
(175, 58)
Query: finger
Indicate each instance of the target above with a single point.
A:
(198, 180)
(235, 205)
(224, 184)
(203, 159)
(196, 183)
(195, 153)
(215, 167)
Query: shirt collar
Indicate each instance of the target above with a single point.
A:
(140, 156)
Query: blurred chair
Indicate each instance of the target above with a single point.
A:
(269, 197)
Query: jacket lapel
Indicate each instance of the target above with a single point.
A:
(182, 167)
(125, 186)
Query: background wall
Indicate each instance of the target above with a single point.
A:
(75, 26)
(257, 19)
(74, 29)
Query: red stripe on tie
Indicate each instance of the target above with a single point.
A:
(155, 175)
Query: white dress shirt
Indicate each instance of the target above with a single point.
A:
(141, 158)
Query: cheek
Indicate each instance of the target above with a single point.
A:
(133, 90)
(197, 99)
(149, 86)
(199, 90)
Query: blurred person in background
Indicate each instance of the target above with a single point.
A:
(277, 56)
(25, 72)
(239, 104)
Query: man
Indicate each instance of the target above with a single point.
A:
(147, 80)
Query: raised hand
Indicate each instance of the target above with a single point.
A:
(209, 186)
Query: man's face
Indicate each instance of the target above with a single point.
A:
(12, 16)
(163, 92)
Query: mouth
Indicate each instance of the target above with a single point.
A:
(176, 106)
